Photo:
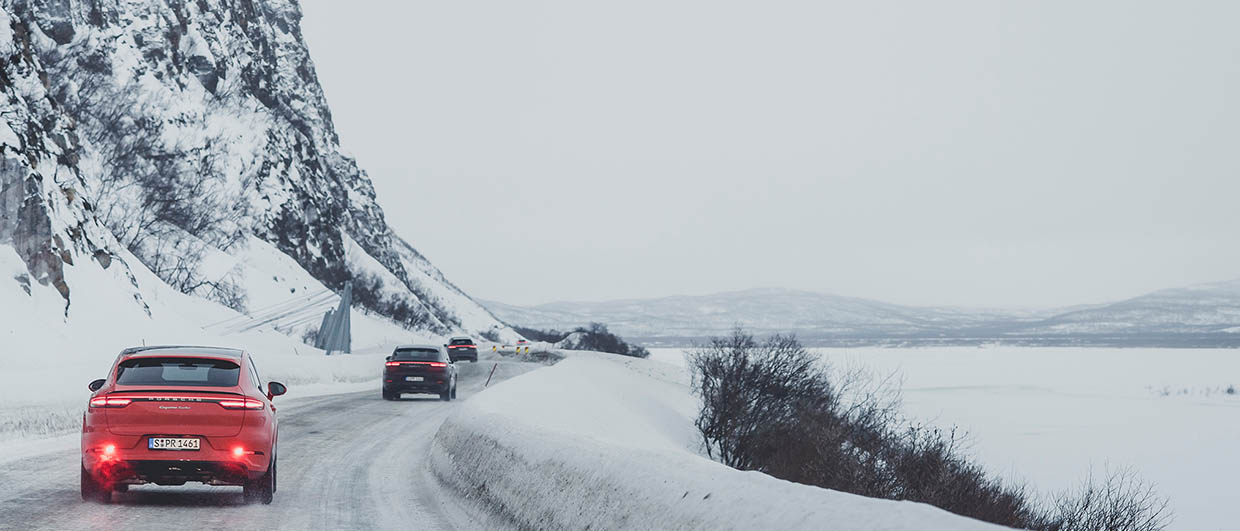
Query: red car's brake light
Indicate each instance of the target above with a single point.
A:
(109, 401)
(247, 403)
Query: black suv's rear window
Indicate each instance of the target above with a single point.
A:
(416, 354)
(462, 342)
(178, 371)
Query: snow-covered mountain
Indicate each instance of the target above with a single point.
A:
(1203, 315)
(188, 144)
(1202, 309)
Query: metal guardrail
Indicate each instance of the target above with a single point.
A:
(335, 334)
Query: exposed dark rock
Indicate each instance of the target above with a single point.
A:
(23, 281)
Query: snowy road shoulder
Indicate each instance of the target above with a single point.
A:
(608, 442)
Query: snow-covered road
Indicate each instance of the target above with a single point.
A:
(350, 461)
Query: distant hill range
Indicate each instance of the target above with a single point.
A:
(1205, 315)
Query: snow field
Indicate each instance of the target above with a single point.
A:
(1048, 417)
(600, 441)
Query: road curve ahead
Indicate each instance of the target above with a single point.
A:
(352, 461)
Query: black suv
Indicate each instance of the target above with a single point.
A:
(462, 348)
(419, 369)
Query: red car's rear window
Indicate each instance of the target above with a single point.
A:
(178, 371)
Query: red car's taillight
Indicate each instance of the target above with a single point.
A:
(247, 403)
(109, 401)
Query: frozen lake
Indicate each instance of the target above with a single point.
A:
(1048, 416)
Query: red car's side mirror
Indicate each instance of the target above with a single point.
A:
(275, 389)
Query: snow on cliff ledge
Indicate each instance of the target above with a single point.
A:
(604, 442)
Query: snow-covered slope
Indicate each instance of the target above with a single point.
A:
(607, 442)
(1206, 315)
(191, 141)
(183, 132)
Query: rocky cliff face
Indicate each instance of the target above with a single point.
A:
(184, 127)
(44, 214)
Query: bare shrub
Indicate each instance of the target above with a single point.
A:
(310, 336)
(1120, 502)
(176, 258)
(773, 407)
(752, 398)
(596, 337)
(165, 198)
(930, 465)
(371, 293)
(546, 336)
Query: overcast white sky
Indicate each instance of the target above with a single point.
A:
(961, 153)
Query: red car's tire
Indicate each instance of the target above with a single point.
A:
(93, 491)
(262, 490)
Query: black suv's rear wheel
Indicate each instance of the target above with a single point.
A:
(262, 490)
(92, 490)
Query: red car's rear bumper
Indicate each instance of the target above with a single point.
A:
(219, 460)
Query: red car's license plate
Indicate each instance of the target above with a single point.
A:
(173, 443)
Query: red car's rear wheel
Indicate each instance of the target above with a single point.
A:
(93, 490)
(263, 489)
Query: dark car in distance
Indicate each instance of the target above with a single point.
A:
(462, 348)
(419, 369)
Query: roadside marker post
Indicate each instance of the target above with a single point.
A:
(493, 367)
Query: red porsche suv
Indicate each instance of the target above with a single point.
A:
(170, 415)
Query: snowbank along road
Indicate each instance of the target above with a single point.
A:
(350, 461)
